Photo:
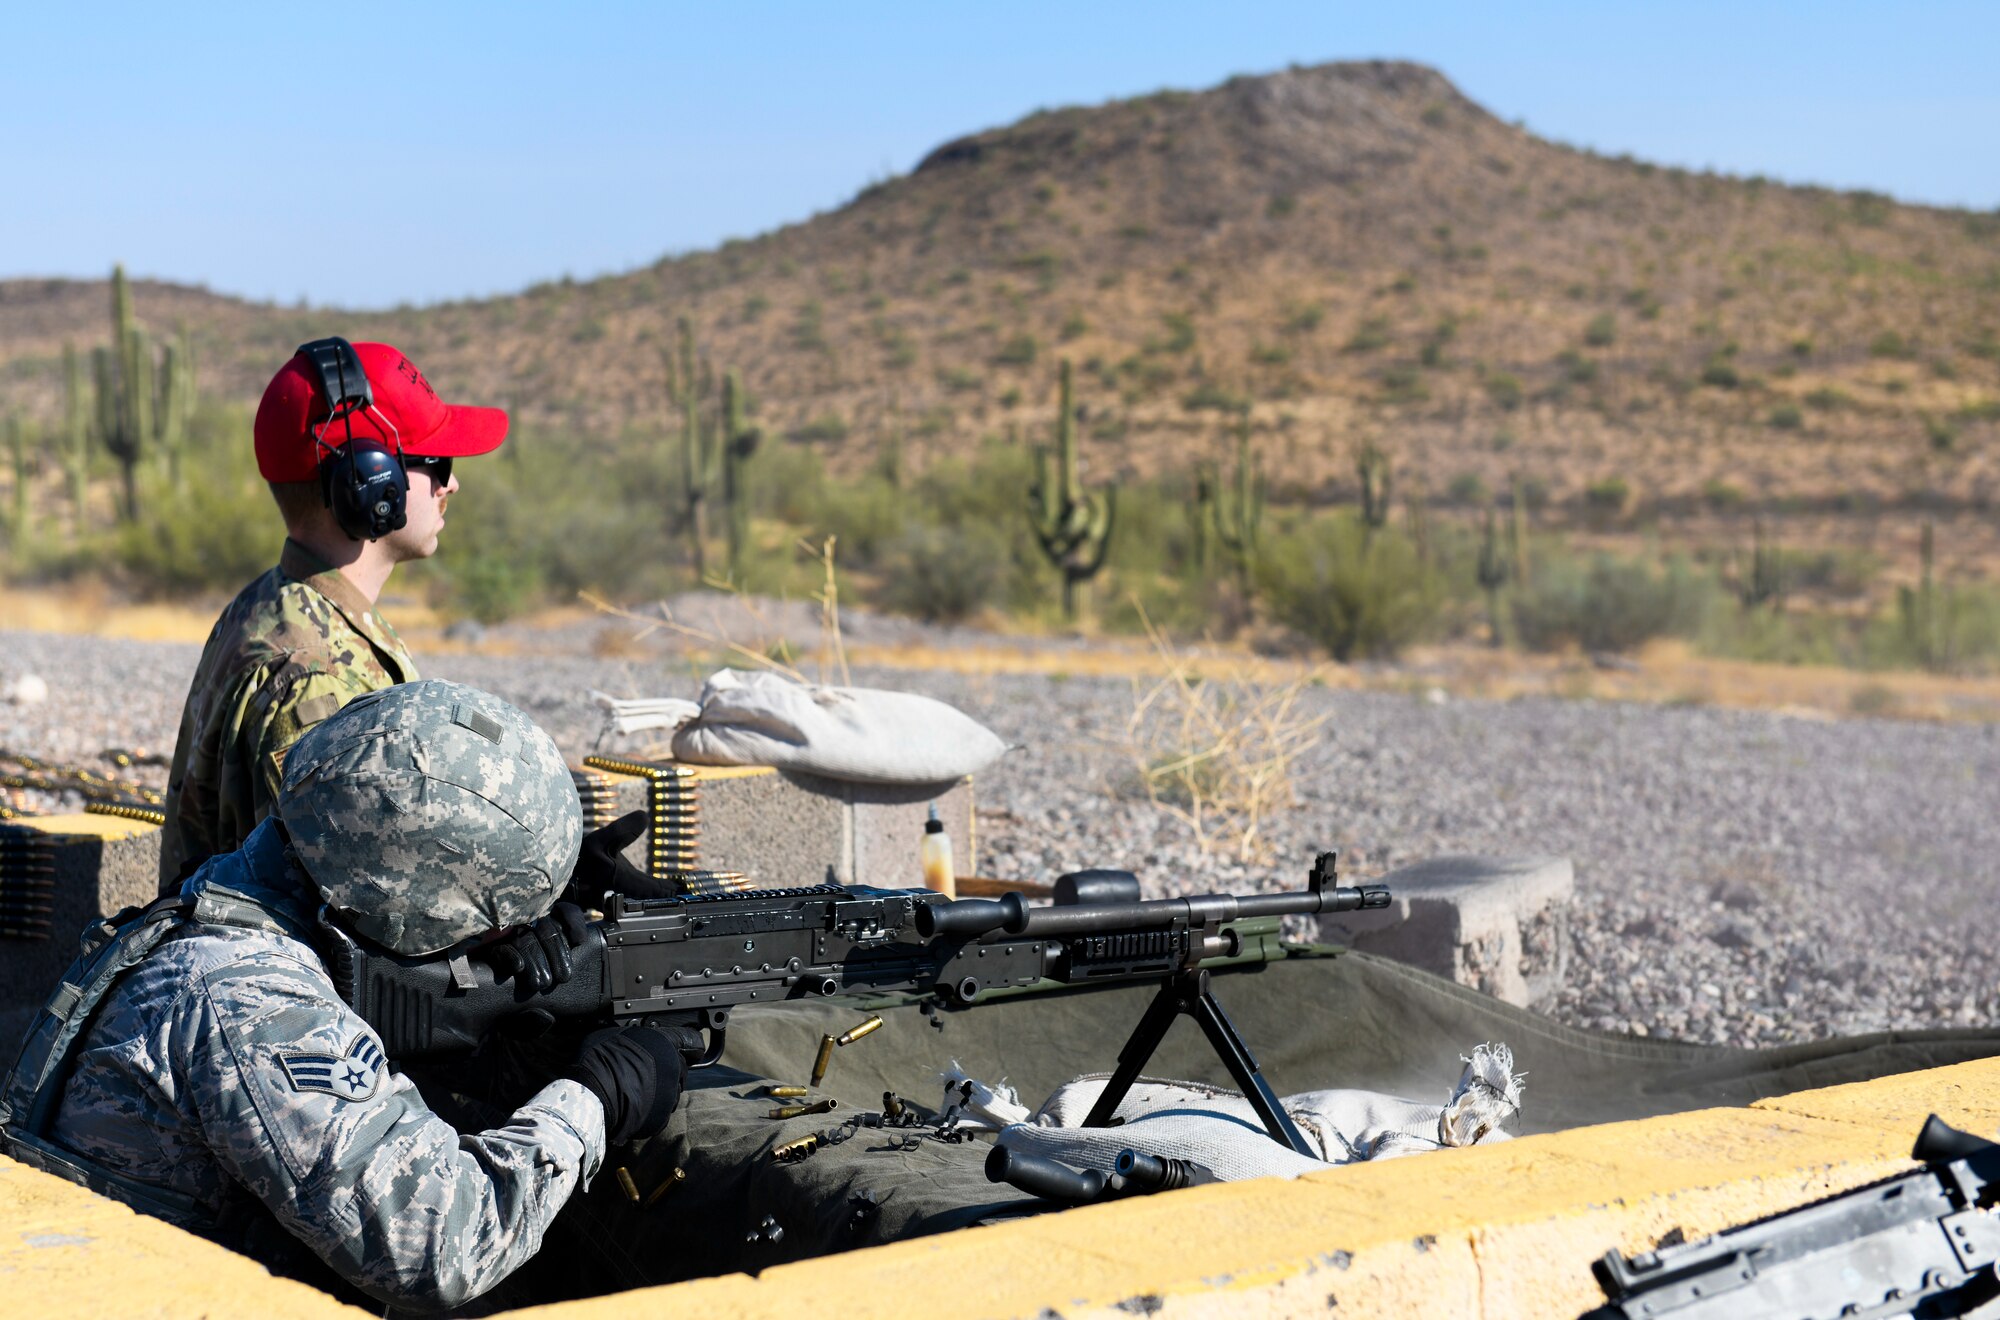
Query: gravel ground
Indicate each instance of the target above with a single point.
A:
(1743, 878)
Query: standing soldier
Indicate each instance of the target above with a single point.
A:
(358, 449)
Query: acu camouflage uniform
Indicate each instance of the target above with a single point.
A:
(294, 647)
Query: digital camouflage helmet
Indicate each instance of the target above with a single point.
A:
(431, 811)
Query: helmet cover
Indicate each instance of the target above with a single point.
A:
(429, 812)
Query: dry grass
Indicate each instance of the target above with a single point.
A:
(1213, 747)
(759, 651)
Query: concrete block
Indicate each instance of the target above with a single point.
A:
(1497, 924)
(785, 829)
(99, 866)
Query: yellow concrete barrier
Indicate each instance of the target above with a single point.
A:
(1498, 1231)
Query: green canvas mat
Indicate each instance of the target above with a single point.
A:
(1314, 1020)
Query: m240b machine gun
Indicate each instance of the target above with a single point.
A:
(1921, 1244)
(694, 959)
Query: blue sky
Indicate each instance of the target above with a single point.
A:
(381, 154)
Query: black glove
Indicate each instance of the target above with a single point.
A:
(637, 1073)
(601, 867)
(539, 955)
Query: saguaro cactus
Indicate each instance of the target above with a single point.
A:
(1517, 527)
(17, 449)
(1918, 606)
(738, 442)
(1495, 567)
(1239, 510)
(76, 434)
(1766, 581)
(1371, 465)
(1072, 525)
(698, 447)
(1201, 519)
(142, 406)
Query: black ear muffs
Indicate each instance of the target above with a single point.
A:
(360, 479)
(364, 484)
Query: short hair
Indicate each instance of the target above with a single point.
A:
(296, 500)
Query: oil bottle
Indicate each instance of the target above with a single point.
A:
(935, 857)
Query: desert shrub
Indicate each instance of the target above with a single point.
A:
(1576, 368)
(1721, 374)
(1888, 344)
(868, 515)
(216, 534)
(1721, 496)
(1370, 335)
(1608, 496)
(958, 380)
(1845, 573)
(1354, 594)
(944, 574)
(1504, 389)
(1302, 318)
(826, 429)
(1019, 351)
(1602, 330)
(809, 328)
(491, 589)
(1785, 417)
(1467, 488)
(1608, 603)
(1827, 399)
(1963, 636)
(1215, 398)
(1403, 384)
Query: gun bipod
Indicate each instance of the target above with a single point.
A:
(1188, 992)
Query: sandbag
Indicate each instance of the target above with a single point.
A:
(864, 734)
(1218, 1128)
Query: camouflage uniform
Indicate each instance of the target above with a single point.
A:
(295, 646)
(225, 1063)
(224, 1068)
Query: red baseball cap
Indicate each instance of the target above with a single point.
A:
(417, 421)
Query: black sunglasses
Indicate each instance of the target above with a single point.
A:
(438, 468)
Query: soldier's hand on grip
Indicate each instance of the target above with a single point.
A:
(539, 955)
(637, 1073)
(601, 868)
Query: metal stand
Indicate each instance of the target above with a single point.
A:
(1187, 992)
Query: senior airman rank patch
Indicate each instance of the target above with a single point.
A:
(350, 1076)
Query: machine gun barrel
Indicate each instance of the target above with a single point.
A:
(974, 917)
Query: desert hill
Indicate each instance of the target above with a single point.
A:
(1342, 252)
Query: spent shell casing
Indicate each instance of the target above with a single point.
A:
(675, 1177)
(627, 1186)
(826, 1106)
(825, 1058)
(853, 1034)
(787, 1092)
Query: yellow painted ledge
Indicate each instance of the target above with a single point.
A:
(70, 1253)
(85, 824)
(1498, 1231)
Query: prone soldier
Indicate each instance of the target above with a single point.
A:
(198, 1062)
